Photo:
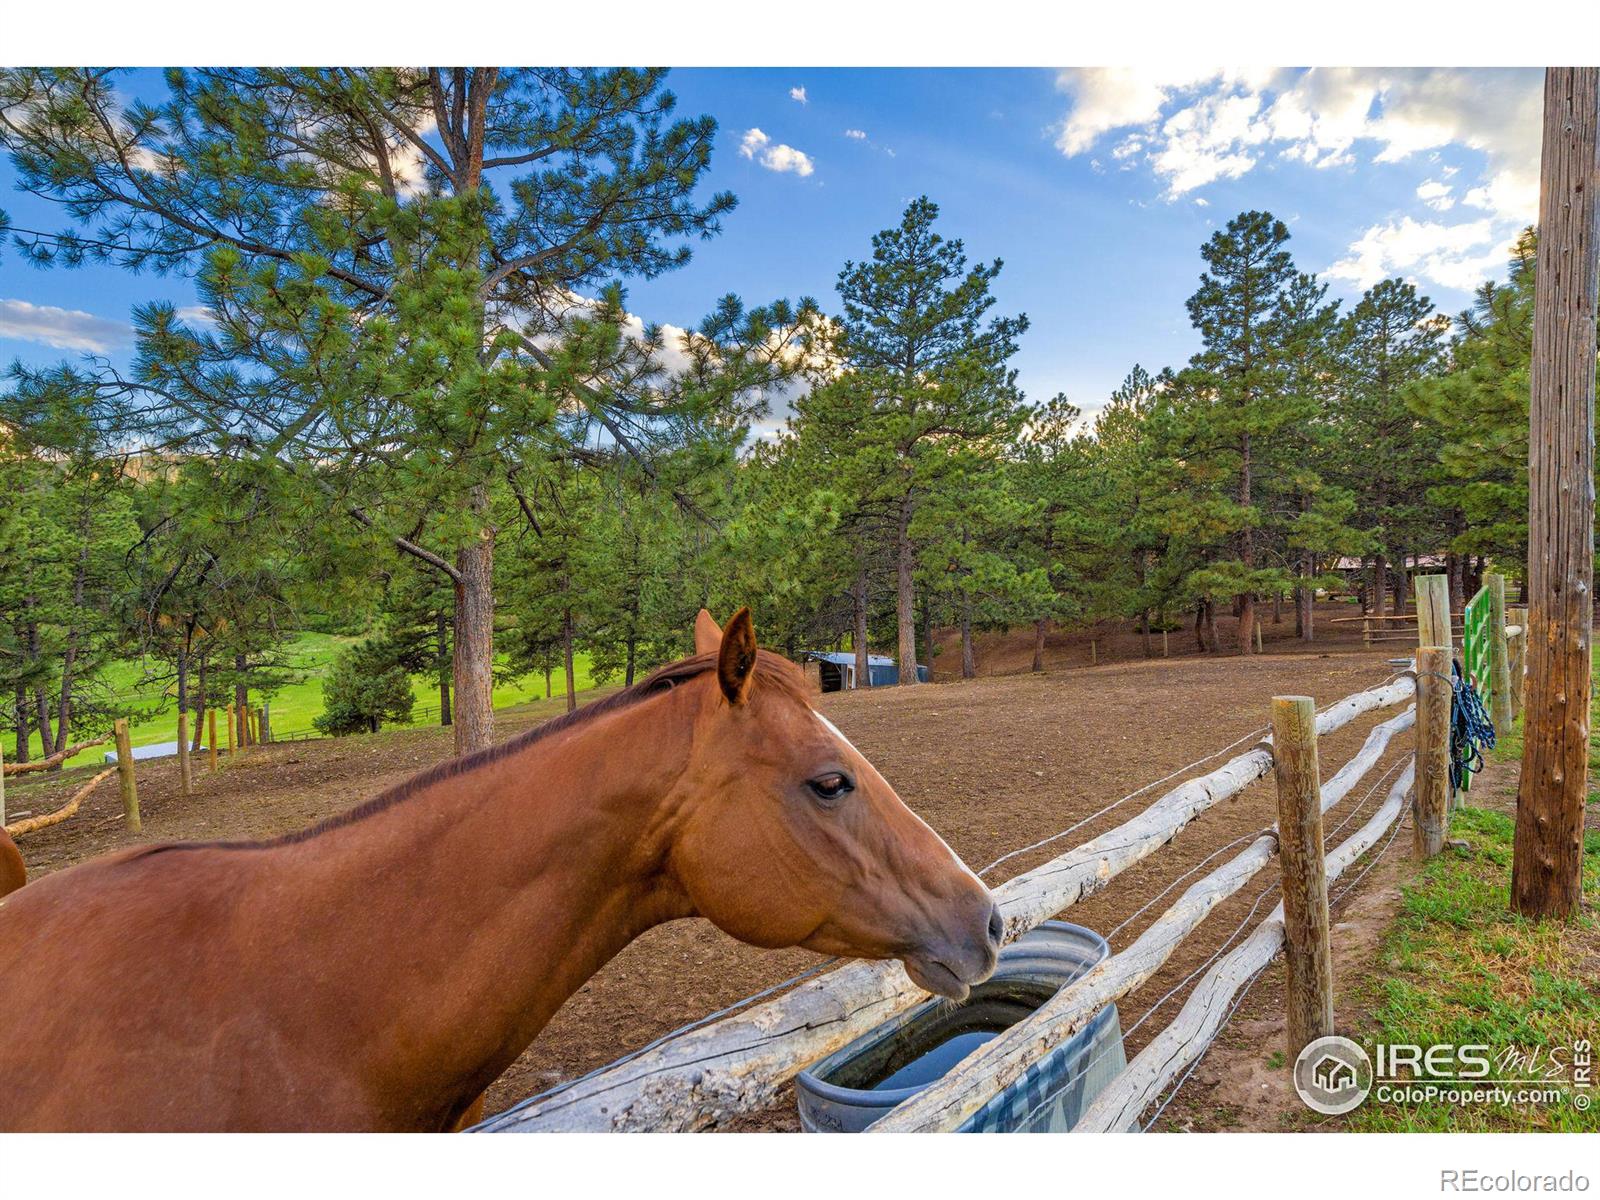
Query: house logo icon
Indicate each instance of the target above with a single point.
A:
(1332, 1075)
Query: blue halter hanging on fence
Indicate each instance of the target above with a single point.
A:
(1471, 729)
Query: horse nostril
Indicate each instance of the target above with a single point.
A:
(997, 925)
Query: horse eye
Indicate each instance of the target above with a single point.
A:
(831, 786)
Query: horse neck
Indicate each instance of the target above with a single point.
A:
(471, 910)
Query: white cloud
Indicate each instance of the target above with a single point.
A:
(1436, 195)
(757, 146)
(1194, 127)
(798, 95)
(1457, 256)
(859, 135)
(60, 328)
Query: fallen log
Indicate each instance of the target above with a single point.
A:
(60, 814)
(739, 1063)
(1192, 1031)
(55, 760)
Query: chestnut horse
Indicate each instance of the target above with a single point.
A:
(379, 970)
(13, 874)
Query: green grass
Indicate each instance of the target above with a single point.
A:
(1457, 967)
(297, 704)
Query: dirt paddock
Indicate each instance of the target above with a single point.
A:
(992, 763)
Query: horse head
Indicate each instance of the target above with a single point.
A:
(787, 835)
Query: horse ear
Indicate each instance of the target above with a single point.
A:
(707, 637)
(736, 661)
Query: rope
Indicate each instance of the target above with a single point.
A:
(1471, 728)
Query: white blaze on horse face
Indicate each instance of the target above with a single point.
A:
(834, 729)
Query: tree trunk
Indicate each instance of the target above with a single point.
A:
(858, 630)
(41, 708)
(1277, 607)
(202, 695)
(24, 728)
(474, 644)
(241, 699)
(969, 669)
(1547, 857)
(1211, 626)
(441, 659)
(69, 657)
(632, 659)
(185, 778)
(41, 702)
(1380, 585)
(566, 654)
(1247, 623)
(905, 598)
(1038, 644)
(1144, 629)
(927, 633)
(1400, 585)
(1200, 626)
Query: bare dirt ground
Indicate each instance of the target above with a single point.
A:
(992, 763)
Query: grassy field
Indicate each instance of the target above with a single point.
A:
(1460, 968)
(297, 704)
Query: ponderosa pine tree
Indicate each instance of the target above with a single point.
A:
(926, 367)
(399, 270)
(1236, 408)
(1391, 340)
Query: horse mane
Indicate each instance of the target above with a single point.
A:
(771, 668)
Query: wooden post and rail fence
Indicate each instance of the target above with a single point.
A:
(711, 1073)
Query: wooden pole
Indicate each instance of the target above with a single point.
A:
(185, 779)
(230, 731)
(1433, 611)
(1308, 996)
(1258, 637)
(1430, 804)
(1518, 652)
(125, 779)
(1164, 652)
(211, 736)
(1094, 653)
(1547, 862)
(1499, 660)
(2, 787)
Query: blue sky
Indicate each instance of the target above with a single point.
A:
(1097, 188)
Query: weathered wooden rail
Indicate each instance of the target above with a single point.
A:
(739, 1063)
(949, 1101)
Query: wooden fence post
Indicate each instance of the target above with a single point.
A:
(2, 787)
(211, 736)
(1308, 997)
(1433, 612)
(230, 731)
(185, 779)
(1164, 652)
(1517, 648)
(1547, 858)
(1499, 662)
(125, 779)
(1258, 638)
(1430, 803)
